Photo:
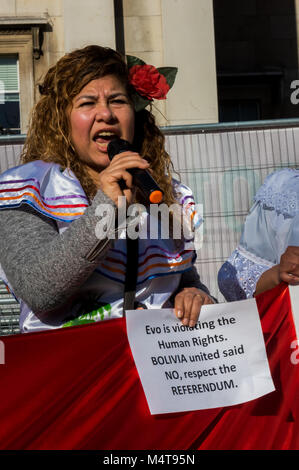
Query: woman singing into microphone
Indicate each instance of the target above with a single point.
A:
(51, 255)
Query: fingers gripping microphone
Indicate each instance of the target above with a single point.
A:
(141, 178)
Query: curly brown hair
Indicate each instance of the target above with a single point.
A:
(49, 134)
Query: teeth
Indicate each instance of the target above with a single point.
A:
(105, 134)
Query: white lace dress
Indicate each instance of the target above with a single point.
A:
(270, 227)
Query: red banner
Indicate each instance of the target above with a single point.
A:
(78, 388)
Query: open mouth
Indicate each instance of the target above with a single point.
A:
(103, 138)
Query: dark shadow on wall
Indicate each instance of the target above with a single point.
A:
(256, 58)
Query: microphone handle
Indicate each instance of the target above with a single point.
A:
(147, 185)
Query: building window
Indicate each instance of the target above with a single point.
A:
(257, 58)
(16, 63)
(9, 95)
(239, 110)
(21, 39)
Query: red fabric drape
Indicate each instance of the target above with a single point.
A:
(78, 388)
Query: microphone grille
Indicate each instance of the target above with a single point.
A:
(117, 146)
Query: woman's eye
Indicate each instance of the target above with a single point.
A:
(86, 103)
(118, 101)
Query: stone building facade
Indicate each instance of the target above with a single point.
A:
(162, 32)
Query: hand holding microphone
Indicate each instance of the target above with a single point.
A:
(141, 177)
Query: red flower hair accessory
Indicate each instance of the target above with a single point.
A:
(148, 81)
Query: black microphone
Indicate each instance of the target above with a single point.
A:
(141, 178)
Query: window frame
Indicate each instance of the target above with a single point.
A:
(21, 45)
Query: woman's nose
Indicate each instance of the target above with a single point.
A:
(104, 112)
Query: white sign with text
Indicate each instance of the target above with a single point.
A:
(221, 361)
